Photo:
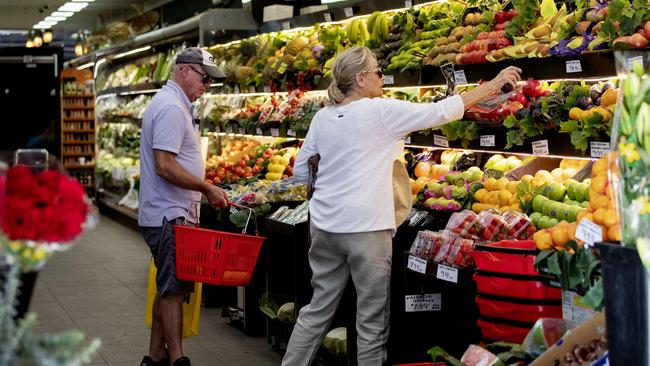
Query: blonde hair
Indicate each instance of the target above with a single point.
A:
(345, 69)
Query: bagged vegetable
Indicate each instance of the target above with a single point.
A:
(336, 341)
(286, 313)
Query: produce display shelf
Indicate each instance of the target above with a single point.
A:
(142, 88)
(110, 200)
(88, 185)
(79, 131)
(79, 166)
(78, 96)
(74, 142)
(78, 107)
(88, 119)
(92, 153)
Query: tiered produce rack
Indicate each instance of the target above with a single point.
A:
(276, 81)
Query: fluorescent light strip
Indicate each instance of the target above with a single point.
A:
(85, 66)
(147, 91)
(62, 14)
(137, 50)
(498, 152)
(42, 26)
(55, 18)
(74, 7)
(82, 1)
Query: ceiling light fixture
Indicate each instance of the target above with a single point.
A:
(38, 39)
(48, 36)
(82, 1)
(74, 7)
(30, 42)
(55, 18)
(62, 14)
(79, 49)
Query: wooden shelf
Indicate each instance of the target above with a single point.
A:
(79, 96)
(90, 185)
(66, 119)
(79, 154)
(79, 131)
(79, 166)
(79, 142)
(78, 107)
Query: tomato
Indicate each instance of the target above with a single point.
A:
(518, 97)
(211, 174)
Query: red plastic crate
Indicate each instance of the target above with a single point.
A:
(507, 256)
(215, 257)
(527, 313)
(502, 332)
(519, 288)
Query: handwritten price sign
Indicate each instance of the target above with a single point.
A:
(423, 302)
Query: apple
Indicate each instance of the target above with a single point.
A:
(501, 17)
(209, 181)
(211, 174)
(646, 27)
(216, 181)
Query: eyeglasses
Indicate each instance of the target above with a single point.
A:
(376, 70)
(207, 79)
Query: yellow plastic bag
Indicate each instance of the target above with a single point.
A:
(191, 309)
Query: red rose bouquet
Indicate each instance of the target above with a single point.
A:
(42, 212)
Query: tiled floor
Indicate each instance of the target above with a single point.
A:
(99, 287)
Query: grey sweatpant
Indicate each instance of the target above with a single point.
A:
(333, 257)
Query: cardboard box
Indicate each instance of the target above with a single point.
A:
(591, 329)
(533, 166)
(573, 310)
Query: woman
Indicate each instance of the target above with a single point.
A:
(352, 215)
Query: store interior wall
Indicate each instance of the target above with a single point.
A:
(30, 101)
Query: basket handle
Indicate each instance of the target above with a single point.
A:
(250, 213)
(196, 211)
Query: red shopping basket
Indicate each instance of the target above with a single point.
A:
(216, 257)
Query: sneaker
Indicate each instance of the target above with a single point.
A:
(148, 361)
(182, 361)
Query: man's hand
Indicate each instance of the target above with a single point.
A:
(216, 196)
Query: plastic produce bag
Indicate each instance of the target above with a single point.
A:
(286, 312)
(336, 341)
(131, 199)
(494, 227)
(520, 227)
(544, 334)
(477, 356)
(464, 223)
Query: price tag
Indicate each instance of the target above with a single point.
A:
(459, 76)
(218, 129)
(290, 133)
(573, 66)
(286, 25)
(328, 17)
(440, 141)
(446, 273)
(389, 80)
(599, 149)
(487, 140)
(259, 131)
(236, 89)
(632, 60)
(407, 140)
(275, 132)
(417, 264)
(348, 12)
(540, 147)
(589, 232)
(408, 3)
(228, 129)
(424, 302)
(266, 89)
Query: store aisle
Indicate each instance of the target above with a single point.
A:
(99, 287)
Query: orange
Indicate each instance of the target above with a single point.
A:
(599, 216)
(599, 184)
(422, 169)
(504, 197)
(559, 236)
(600, 167)
(512, 186)
(481, 194)
(490, 184)
(602, 201)
(611, 218)
(582, 214)
(571, 231)
(614, 232)
(543, 240)
(502, 183)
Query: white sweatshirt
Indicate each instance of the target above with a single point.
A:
(357, 143)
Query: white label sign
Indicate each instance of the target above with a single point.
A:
(266, 89)
(290, 133)
(259, 131)
(275, 132)
(417, 264)
(408, 3)
(348, 12)
(573, 66)
(459, 76)
(286, 25)
(487, 140)
(218, 129)
(228, 129)
(632, 60)
(328, 17)
(424, 302)
(599, 149)
(407, 140)
(540, 147)
(589, 232)
(440, 141)
(389, 80)
(446, 273)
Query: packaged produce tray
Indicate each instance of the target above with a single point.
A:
(527, 312)
(507, 256)
(515, 286)
(502, 331)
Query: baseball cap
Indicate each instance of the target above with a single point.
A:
(196, 55)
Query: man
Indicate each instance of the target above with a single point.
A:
(171, 183)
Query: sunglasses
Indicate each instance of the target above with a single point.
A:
(376, 70)
(207, 79)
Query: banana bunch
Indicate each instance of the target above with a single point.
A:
(379, 25)
(357, 32)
